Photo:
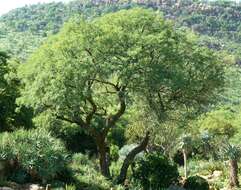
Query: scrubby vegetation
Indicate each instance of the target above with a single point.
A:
(155, 171)
(196, 183)
(101, 95)
(31, 155)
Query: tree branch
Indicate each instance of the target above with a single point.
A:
(79, 121)
(114, 118)
(90, 54)
(130, 157)
(104, 82)
(94, 109)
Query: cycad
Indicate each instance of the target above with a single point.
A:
(233, 153)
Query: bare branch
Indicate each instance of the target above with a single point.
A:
(105, 82)
(90, 54)
(79, 121)
(131, 156)
(114, 118)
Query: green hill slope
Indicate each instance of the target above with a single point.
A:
(24, 29)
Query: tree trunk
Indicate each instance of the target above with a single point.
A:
(103, 156)
(185, 163)
(233, 174)
(130, 157)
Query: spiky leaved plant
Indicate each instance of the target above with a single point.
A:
(232, 152)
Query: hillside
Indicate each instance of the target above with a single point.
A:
(130, 94)
(23, 29)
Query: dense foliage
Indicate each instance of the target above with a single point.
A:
(11, 115)
(120, 81)
(155, 171)
(91, 72)
(34, 153)
(196, 183)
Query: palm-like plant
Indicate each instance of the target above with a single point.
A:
(233, 153)
(185, 145)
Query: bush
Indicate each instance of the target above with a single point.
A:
(34, 153)
(196, 183)
(115, 168)
(155, 171)
(86, 174)
(178, 158)
(114, 152)
(20, 176)
(80, 159)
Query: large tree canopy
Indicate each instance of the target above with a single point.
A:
(93, 70)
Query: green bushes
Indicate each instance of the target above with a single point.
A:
(155, 171)
(70, 187)
(86, 173)
(196, 183)
(32, 153)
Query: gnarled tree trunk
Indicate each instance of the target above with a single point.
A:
(103, 155)
(130, 157)
(234, 182)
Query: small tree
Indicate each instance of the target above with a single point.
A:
(233, 153)
(185, 145)
(155, 171)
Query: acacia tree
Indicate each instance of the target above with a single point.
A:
(93, 70)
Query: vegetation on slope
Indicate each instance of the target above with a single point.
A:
(132, 91)
(24, 29)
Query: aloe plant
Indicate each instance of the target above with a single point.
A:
(233, 153)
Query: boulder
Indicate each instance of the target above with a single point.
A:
(35, 187)
(32, 187)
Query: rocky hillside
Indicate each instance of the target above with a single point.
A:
(24, 29)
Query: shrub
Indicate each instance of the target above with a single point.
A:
(36, 152)
(117, 135)
(115, 168)
(80, 159)
(20, 176)
(178, 158)
(86, 174)
(114, 152)
(6, 151)
(196, 183)
(155, 171)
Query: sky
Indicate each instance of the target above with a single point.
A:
(7, 5)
